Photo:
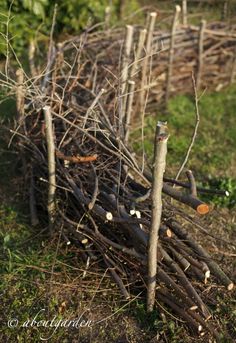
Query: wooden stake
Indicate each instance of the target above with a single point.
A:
(125, 67)
(184, 12)
(232, 73)
(131, 85)
(138, 55)
(31, 55)
(160, 152)
(200, 53)
(51, 165)
(224, 13)
(148, 47)
(20, 94)
(171, 52)
(107, 17)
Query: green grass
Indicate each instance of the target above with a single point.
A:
(212, 158)
(28, 260)
(156, 321)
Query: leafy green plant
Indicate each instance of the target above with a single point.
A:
(151, 321)
(25, 20)
(19, 22)
(36, 7)
(156, 323)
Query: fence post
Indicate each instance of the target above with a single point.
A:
(20, 94)
(171, 53)
(184, 12)
(129, 109)
(224, 13)
(125, 67)
(200, 53)
(51, 166)
(233, 67)
(148, 48)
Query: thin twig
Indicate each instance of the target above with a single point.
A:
(195, 130)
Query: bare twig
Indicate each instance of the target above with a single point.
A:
(195, 130)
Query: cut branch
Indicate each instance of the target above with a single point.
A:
(214, 268)
(192, 183)
(160, 152)
(195, 203)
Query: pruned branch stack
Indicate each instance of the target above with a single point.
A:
(75, 133)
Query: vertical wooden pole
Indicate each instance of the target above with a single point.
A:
(171, 53)
(160, 151)
(200, 54)
(146, 74)
(184, 12)
(20, 106)
(232, 74)
(138, 54)
(148, 48)
(107, 17)
(224, 13)
(20, 94)
(51, 166)
(125, 67)
(31, 54)
(131, 85)
(138, 61)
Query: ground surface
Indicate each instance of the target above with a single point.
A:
(43, 278)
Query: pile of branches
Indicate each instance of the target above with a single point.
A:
(73, 135)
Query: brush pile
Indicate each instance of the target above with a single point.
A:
(74, 123)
